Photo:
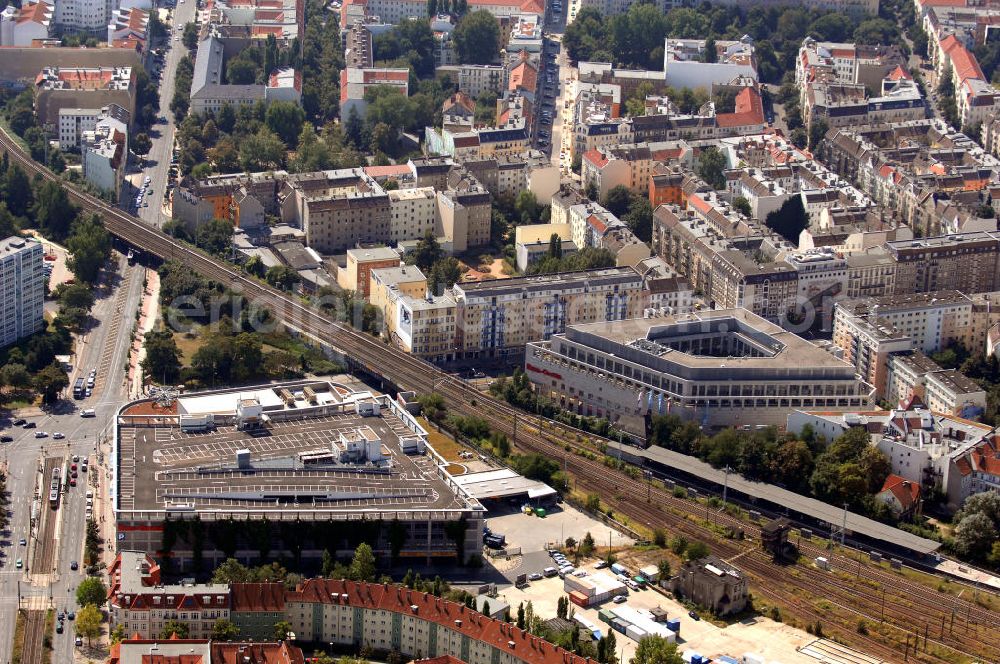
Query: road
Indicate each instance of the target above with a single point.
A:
(157, 162)
(39, 587)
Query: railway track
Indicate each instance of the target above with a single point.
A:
(43, 559)
(32, 651)
(616, 488)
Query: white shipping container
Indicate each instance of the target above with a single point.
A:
(634, 632)
(571, 583)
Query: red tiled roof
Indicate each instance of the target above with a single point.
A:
(596, 158)
(375, 75)
(256, 653)
(596, 223)
(398, 599)
(386, 171)
(257, 596)
(38, 12)
(899, 73)
(749, 110)
(964, 63)
(523, 76)
(905, 491)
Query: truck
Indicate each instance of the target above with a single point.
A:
(79, 391)
(619, 569)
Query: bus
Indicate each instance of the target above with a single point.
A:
(79, 391)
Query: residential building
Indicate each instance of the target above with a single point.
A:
(901, 496)
(204, 651)
(97, 87)
(867, 343)
(684, 64)
(406, 279)
(356, 276)
(73, 122)
(90, 16)
(712, 583)
(128, 27)
(948, 391)
(142, 604)
(968, 262)
(475, 80)
(628, 166)
(104, 152)
(355, 82)
(25, 25)
(413, 212)
(933, 320)
(533, 242)
(22, 285)
(626, 369)
(210, 94)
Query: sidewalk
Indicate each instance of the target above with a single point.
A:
(149, 311)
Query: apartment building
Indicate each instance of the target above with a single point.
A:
(91, 87)
(968, 262)
(413, 212)
(22, 285)
(89, 16)
(209, 93)
(913, 374)
(204, 651)
(142, 604)
(104, 151)
(867, 343)
(242, 198)
(684, 64)
(474, 80)
(405, 279)
(628, 166)
(356, 275)
(533, 242)
(23, 26)
(73, 122)
(627, 369)
(465, 212)
(128, 28)
(423, 325)
(933, 320)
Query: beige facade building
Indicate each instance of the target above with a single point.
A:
(413, 213)
(356, 275)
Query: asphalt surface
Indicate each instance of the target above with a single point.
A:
(56, 587)
(157, 163)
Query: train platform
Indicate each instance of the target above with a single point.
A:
(970, 574)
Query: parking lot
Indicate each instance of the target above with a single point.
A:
(532, 533)
(774, 641)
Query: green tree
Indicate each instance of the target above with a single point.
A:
(477, 38)
(172, 627)
(789, 220)
(141, 143)
(974, 536)
(232, 571)
(53, 211)
(163, 359)
(261, 151)
(741, 204)
(555, 246)
(656, 650)
(118, 634)
(711, 164)
(225, 630)
(663, 569)
(281, 630)
(817, 132)
(428, 252)
(49, 382)
(444, 274)
(91, 591)
(711, 53)
(190, 36)
(215, 237)
(15, 374)
(617, 200)
(17, 191)
(282, 276)
(88, 623)
(363, 563)
(285, 119)
(696, 550)
(89, 246)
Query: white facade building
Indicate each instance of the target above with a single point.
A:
(22, 26)
(22, 287)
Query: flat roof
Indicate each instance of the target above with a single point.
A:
(295, 467)
(856, 523)
(501, 483)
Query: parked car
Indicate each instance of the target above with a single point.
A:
(6, 439)
(58, 436)
(19, 422)
(29, 425)
(619, 599)
(41, 434)
(694, 615)
(74, 566)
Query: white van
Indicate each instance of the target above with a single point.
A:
(89, 412)
(550, 571)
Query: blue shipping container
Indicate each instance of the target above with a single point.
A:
(674, 625)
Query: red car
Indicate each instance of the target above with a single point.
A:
(72, 482)
(72, 467)
(73, 475)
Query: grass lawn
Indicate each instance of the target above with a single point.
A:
(17, 645)
(188, 346)
(443, 443)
